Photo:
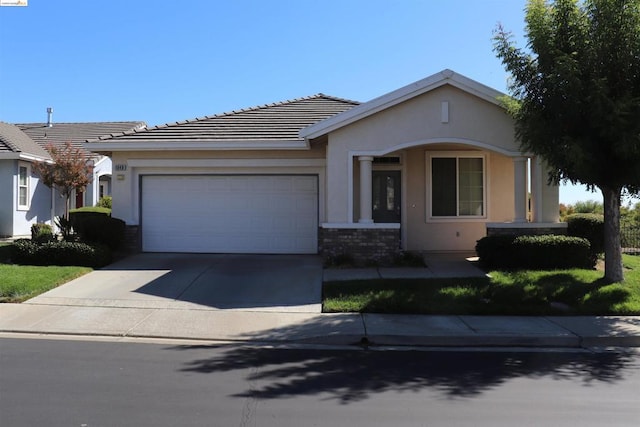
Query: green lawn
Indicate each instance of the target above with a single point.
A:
(21, 282)
(559, 292)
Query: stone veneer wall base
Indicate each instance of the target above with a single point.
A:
(131, 243)
(362, 246)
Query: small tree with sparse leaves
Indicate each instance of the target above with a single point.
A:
(71, 170)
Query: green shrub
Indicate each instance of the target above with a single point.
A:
(90, 210)
(23, 250)
(78, 218)
(535, 252)
(60, 253)
(64, 225)
(553, 251)
(104, 202)
(589, 226)
(41, 233)
(99, 228)
(494, 250)
(6, 251)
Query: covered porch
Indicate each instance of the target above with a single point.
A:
(398, 201)
(433, 166)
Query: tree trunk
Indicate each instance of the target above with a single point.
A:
(612, 250)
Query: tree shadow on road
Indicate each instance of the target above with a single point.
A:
(351, 376)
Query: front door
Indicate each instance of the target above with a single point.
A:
(386, 196)
(79, 199)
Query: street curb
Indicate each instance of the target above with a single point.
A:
(385, 340)
(477, 341)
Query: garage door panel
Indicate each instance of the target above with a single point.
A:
(230, 214)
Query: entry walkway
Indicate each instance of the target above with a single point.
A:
(438, 265)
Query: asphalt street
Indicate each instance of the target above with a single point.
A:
(62, 382)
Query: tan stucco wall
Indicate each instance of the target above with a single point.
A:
(125, 183)
(419, 119)
(423, 233)
(473, 123)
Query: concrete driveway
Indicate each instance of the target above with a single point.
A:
(285, 283)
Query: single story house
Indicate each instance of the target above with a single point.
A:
(432, 166)
(24, 200)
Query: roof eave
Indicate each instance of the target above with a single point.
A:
(25, 157)
(196, 145)
(398, 96)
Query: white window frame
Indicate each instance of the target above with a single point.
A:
(429, 199)
(26, 186)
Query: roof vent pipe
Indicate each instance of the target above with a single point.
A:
(49, 117)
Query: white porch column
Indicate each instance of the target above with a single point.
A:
(520, 188)
(365, 189)
(547, 196)
(536, 190)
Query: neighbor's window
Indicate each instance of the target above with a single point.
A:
(457, 186)
(23, 186)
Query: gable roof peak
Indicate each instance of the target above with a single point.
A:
(14, 140)
(412, 90)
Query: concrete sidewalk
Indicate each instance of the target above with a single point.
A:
(151, 302)
(330, 329)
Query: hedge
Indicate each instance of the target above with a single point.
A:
(27, 252)
(535, 252)
(91, 209)
(589, 226)
(99, 228)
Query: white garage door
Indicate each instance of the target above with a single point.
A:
(230, 213)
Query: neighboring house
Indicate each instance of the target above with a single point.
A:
(433, 166)
(77, 134)
(24, 200)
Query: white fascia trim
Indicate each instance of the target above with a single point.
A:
(225, 163)
(100, 160)
(400, 95)
(464, 141)
(360, 226)
(31, 158)
(196, 146)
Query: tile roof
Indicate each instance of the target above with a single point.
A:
(13, 140)
(280, 121)
(76, 133)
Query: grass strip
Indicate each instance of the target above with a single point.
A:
(555, 292)
(21, 282)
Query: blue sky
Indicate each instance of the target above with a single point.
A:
(164, 61)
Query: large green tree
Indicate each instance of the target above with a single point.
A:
(576, 98)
